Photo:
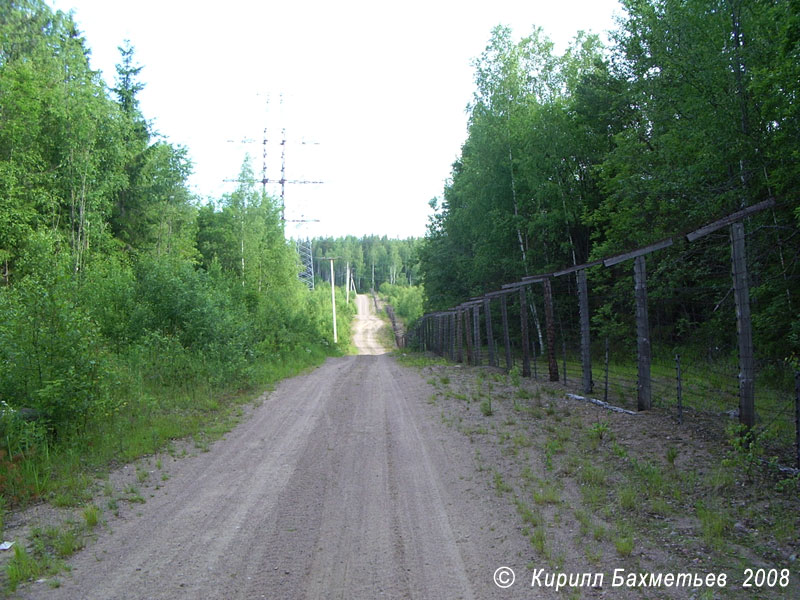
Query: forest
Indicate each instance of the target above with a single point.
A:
(129, 309)
(372, 259)
(689, 114)
(125, 299)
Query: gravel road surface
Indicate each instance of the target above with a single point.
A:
(343, 483)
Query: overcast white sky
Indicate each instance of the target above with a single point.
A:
(381, 87)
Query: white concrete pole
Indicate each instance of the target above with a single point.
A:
(333, 304)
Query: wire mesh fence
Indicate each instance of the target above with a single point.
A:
(665, 327)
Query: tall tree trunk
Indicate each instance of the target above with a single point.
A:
(739, 69)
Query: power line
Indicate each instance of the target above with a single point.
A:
(303, 246)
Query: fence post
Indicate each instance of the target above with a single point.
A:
(476, 326)
(428, 334)
(551, 330)
(797, 415)
(489, 334)
(564, 353)
(506, 337)
(468, 334)
(741, 294)
(454, 327)
(439, 334)
(644, 400)
(453, 336)
(459, 340)
(445, 335)
(586, 348)
(605, 393)
(523, 322)
(680, 388)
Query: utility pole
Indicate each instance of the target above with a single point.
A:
(333, 297)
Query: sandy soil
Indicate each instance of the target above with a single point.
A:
(343, 483)
(365, 328)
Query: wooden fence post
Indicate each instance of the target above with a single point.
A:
(437, 328)
(506, 337)
(459, 338)
(523, 321)
(586, 349)
(489, 334)
(605, 393)
(427, 333)
(468, 333)
(643, 389)
(741, 293)
(476, 330)
(552, 361)
(679, 388)
(445, 335)
(797, 415)
(453, 336)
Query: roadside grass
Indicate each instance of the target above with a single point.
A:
(66, 475)
(47, 549)
(635, 486)
(707, 385)
(418, 359)
(386, 333)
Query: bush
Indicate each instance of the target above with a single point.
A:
(53, 355)
(406, 300)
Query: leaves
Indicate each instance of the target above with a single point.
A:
(116, 282)
(691, 115)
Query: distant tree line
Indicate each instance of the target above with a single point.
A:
(373, 260)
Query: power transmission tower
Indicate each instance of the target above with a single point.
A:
(307, 260)
(304, 249)
(282, 181)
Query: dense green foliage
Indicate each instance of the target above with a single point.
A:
(372, 260)
(406, 300)
(125, 304)
(691, 115)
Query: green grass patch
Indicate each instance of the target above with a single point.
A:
(500, 485)
(91, 515)
(419, 359)
(715, 522)
(592, 475)
(624, 545)
(547, 493)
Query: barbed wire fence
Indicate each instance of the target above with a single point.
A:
(665, 326)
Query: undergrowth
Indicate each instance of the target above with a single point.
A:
(637, 486)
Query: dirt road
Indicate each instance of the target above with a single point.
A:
(344, 483)
(366, 326)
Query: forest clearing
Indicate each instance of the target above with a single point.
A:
(586, 383)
